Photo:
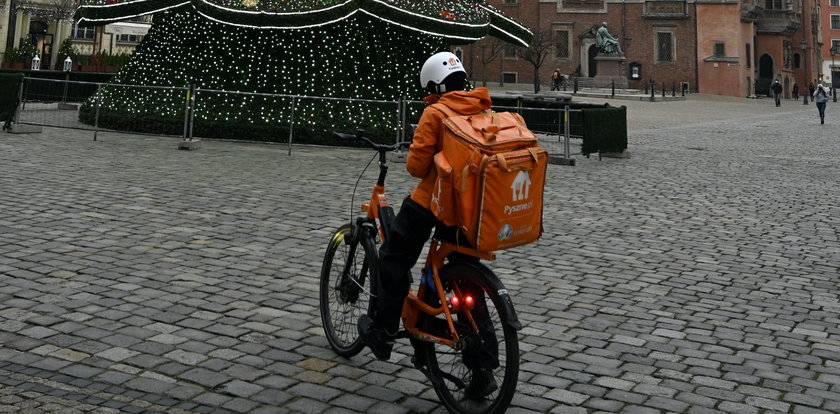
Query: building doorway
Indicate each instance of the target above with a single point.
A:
(765, 75)
(42, 41)
(592, 52)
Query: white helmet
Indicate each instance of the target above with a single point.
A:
(437, 68)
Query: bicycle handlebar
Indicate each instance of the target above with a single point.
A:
(359, 135)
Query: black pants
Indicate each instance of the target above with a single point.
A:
(778, 99)
(410, 232)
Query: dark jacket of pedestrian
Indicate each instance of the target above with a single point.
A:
(777, 88)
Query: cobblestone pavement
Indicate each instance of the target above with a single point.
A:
(699, 276)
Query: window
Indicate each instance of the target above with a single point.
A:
(509, 52)
(140, 19)
(509, 77)
(748, 56)
(664, 47)
(510, 1)
(834, 3)
(561, 48)
(773, 4)
(835, 21)
(82, 33)
(720, 50)
(787, 50)
(129, 38)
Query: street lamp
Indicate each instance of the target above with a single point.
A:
(804, 46)
(833, 52)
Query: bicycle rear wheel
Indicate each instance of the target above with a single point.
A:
(345, 289)
(490, 355)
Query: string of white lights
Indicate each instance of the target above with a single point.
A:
(307, 26)
(124, 17)
(327, 9)
(472, 39)
(436, 20)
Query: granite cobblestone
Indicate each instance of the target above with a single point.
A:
(697, 276)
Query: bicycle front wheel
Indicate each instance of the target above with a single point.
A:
(345, 289)
(481, 376)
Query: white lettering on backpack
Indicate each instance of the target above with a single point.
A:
(518, 207)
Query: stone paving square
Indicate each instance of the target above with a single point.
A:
(698, 276)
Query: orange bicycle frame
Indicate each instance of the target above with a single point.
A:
(414, 306)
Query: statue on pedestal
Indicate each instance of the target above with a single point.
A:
(606, 42)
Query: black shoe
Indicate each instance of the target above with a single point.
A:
(481, 385)
(379, 342)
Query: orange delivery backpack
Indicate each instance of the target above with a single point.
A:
(490, 179)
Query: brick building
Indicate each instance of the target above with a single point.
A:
(831, 23)
(724, 47)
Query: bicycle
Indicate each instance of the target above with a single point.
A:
(460, 319)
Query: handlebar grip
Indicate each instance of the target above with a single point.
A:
(360, 134)
(340, 135)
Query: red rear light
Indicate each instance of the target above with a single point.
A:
(468, 300)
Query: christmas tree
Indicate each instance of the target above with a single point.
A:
(369, 50)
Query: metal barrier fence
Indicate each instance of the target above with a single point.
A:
(58, 103)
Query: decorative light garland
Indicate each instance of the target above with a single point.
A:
(337, 53)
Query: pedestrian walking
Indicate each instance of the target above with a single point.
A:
(556, 80)
(795, 92)
(820, 98)
(777, 91)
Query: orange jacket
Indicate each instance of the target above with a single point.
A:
(427, 143)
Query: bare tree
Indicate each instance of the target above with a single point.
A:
(541, 45)
(490, 50)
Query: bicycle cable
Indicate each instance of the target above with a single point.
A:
(356, 186)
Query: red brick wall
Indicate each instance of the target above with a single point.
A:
(624, 20)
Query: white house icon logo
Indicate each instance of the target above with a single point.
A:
(521, 185)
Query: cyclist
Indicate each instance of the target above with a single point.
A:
(444, 77)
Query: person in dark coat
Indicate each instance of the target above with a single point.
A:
(777, 92)
(556, 80)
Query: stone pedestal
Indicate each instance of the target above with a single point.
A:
(25, 129)
(189, 144)
(608, 69)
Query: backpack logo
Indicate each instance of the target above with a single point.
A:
(436, 197)
(520, 189)
(521, 185)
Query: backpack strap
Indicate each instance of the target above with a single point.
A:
(445, 109)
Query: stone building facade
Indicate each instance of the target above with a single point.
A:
(724, 47)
